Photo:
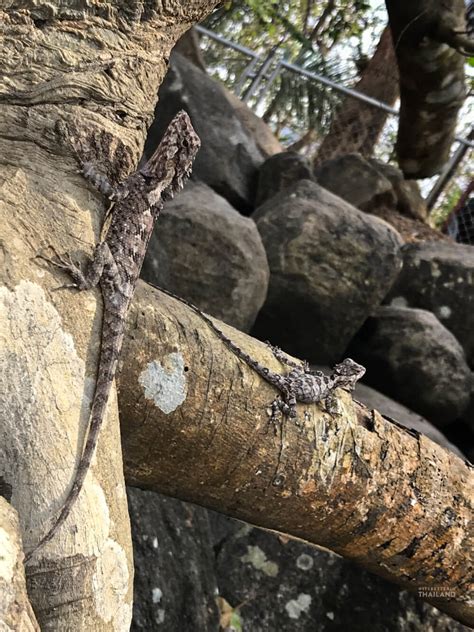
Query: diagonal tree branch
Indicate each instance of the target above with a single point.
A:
(195, 426)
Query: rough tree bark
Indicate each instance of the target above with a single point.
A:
(427, 35)
(356, 126)
(96, 66)
(16, 612)
(195, 426)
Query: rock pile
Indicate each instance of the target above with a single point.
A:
(315, 268)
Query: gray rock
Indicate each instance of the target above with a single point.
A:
(280, 172)
(330, 265)
(290, 586)
(409, 200)
(206, 252)
(439, 276)
(403, 415)
(353, 179)
(264, 138)
(175, 582)
(410, 356)
(228, 160)
(468, 415)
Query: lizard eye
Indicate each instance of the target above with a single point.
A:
(185, 143)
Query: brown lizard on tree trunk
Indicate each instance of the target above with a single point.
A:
(117, 263)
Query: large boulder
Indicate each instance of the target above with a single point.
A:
(410, 356)
(229, 159)
(264, 138)
(206, 252)
(380, 189)
(279, 172)
(175, 582)
(275, 583)
(439, 276)
(355, 180)
(330, 265)
(412, 230)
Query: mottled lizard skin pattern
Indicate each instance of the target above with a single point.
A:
(117, 263)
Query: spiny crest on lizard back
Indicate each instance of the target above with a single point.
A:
(170, 164)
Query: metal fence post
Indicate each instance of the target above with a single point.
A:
(448, 171)
(259, 76)
(247, 73)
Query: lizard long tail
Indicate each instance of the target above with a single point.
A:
(256, 366)
(109, 353)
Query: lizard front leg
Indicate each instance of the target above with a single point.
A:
(331, 405)
(92, 145)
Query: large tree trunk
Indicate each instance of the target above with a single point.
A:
(428, 34)
(356, 126)
(16, 612)
(195, 426)
(97, 67)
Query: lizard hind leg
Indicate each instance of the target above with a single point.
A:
(282, 406)
(64, 262)
(275, 413)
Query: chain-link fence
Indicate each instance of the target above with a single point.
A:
(460, 222)
(317, 115)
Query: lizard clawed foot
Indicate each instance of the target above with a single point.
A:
(332, 406)
(64, 262)
(274, 412)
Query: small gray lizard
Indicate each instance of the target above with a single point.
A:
(300, 384)
(117, 263)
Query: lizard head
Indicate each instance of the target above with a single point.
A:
(347, 372)
(171, 162)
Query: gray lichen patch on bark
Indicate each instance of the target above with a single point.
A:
(110, 583)
(165, 382)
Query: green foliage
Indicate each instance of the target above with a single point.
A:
(304, 32)
(300, 24)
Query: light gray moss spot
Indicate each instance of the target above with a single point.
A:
(156, 595)
(399, 301)
(258, 559)
(165, 384)
(444, 311)
(295, 607)
(304, 562)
